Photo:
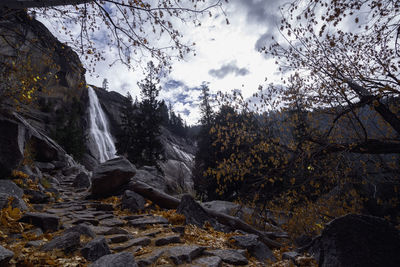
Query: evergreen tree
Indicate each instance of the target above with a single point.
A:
(164, 114)
(126, 140)
(149, 121)
(141, 123)
(205, 107)
(204, 155)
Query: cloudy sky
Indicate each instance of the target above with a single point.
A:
(227, 58)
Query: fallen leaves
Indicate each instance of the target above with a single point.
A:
(171, 215)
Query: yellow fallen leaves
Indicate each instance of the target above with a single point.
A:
(26, 183)
(209, 237)
(19, 174)
(32, 256)
(9, 217)
(171, 215)
(114, 200)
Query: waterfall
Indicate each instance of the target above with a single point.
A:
(101, 143)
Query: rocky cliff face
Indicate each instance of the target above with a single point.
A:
(179, 152)
(30, 45)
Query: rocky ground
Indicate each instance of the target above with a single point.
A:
(73, 230)
(57, 216)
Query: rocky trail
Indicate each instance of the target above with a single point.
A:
(77, 231)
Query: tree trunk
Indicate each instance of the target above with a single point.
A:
(166, 201)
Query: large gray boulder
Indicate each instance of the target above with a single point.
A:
(254, 246)
(9, 190)
(110, 176)
(150, 176)
(357, 240)
(132, 201)
(9, 187)
(182, 254)
(82, 229)
(82, 180)
(195, 214)
(18, 136)
(45, 221)
(68, 242)
(229, 208)
(95, 249)
(5, 256)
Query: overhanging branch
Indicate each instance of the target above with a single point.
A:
(21, 4)
(370, 146)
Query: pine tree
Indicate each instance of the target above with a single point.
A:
(126, 139)
(203, 157)
(149, 120)
(205, 107)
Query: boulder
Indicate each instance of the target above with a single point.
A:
(45, 148)
(5, 256)
(15, 203)
(109, 176)
(182, 254)
(195, 214)
(118, 238)
(82, 229)
(212, 261)
(122, 259)
(45, 221)
(132, 201)
(150, 176)
(68, 242)
(357, 240)
(254, 246)
(89, 161)
(18, 136)
(150, 260)
(36, 197)
(10, 188)
(177, 176)
(82, 180)
(227, 207)
(95, 249)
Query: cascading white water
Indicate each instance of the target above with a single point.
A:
(101, 143)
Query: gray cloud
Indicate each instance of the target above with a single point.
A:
(261, 12)
(228, 69)
(172, 84)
